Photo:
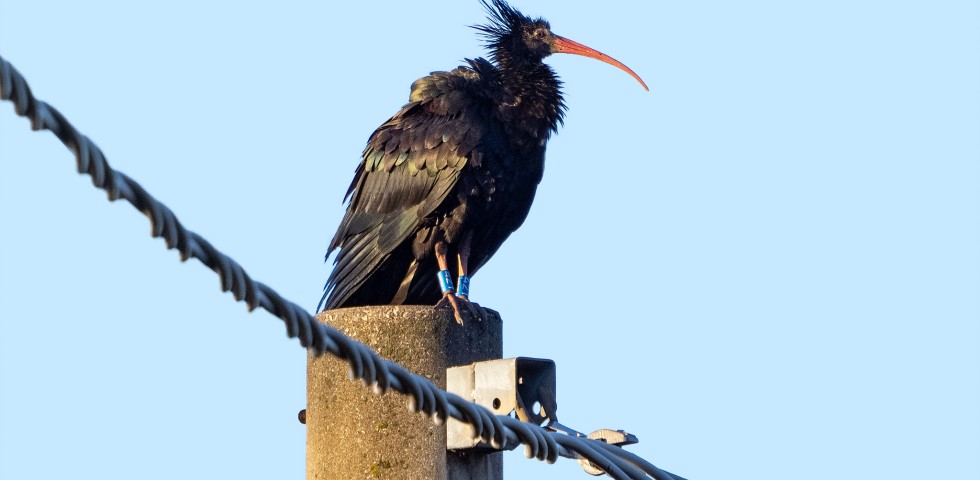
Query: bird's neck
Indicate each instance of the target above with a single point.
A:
(530, 99)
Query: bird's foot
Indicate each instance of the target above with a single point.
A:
(474, 309)
(463, 309)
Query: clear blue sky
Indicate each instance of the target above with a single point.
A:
(766, 267)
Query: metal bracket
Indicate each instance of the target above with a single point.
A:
(525, 386)
(613, 437)
(522, 386)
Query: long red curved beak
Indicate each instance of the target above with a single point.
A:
(564, 45)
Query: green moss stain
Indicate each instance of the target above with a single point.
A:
(377, 468)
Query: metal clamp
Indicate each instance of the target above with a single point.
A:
(612, 437)
(523, 386)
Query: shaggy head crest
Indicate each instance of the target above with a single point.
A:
(504, 20)
(510, 30)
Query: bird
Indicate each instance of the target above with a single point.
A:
(444, 181)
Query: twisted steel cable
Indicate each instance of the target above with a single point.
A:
(499, 431)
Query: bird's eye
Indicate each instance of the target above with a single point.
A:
(539, 33)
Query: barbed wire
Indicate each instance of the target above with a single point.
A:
(500, 431)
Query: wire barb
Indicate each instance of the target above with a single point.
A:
(366, 365)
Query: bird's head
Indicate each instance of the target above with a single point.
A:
(523, 39)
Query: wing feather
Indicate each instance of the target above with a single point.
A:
(389, 199)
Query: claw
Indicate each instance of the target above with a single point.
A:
(463, 309)
(475, 310)
(451, 298)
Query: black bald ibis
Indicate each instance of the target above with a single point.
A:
(449, 177)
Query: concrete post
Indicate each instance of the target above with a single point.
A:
(353, 433)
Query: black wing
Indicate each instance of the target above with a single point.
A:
(409, 167)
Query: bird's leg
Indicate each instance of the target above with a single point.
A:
(463, 286)
(445, 281)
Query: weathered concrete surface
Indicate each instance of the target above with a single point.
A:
(353, 433)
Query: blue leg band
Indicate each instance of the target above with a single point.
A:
(464, 286)
(445, 281)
